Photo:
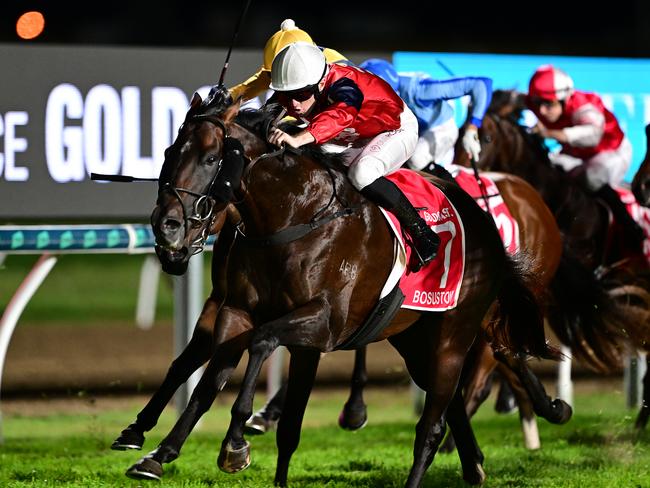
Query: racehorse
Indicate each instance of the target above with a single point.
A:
(610, 299)
(641, 181)
(283, 286)
(641, 190)
(540, 240)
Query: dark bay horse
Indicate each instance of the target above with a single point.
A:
(541, 242)
(641, 189)
(283, 287)
(603, 304)
(641, 181)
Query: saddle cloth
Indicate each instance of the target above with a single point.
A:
(437, 285)
(506, 224)
(639, 213)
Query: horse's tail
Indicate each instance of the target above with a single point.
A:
(628, 288)
(584, 317)
(519, 323)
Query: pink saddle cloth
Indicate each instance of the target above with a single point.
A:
(437, 285)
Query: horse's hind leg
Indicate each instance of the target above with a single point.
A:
(470, 454)
(476, 382)
(354, 415)
(644, 413)
(302, 372)
(527, 415)
(434, 352)
(555, 411)
(197, 352)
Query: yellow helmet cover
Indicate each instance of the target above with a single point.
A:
(288, 34)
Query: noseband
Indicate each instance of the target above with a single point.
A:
(202, 208)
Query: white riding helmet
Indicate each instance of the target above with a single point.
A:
(297, 66)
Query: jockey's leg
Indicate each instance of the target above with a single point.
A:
(386, 194)
(608, 168)
(632, 231)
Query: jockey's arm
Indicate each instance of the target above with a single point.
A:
(252, 87)
(279, 137)
(478, 88)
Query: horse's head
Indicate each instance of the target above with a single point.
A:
(495, 146)
(641, 181)
(506, 145)
(188, 208)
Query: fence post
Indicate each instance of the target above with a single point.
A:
(15, 308)
(564, 383)
(188, 302)
(635, 365)
(145, 312)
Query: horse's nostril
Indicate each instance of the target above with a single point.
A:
(170, 225)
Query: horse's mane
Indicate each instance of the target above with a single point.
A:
(258, 121)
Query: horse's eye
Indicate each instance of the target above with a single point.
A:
(212, 159)
(487, 138)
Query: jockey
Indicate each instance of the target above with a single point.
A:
(592, 140)
(356, 114)
(258, 84)
(427, 98)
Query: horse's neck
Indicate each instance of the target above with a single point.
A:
(286, 191)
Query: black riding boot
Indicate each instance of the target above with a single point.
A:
(425, 241)
(438, 170)
(632, 231)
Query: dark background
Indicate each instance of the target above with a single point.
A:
(621, 28)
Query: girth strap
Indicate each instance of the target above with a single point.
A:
(380, 316)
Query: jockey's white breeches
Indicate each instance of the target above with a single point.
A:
(607, 167)
(376, 157)
(436, 144)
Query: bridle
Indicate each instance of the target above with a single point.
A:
(202, 215)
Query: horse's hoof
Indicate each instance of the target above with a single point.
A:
(257, 424)
(477, 477)
(234, 460)
(128, 439)
(145, 469)
(562, 412)
(350, 420)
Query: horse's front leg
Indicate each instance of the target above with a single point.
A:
(354, 415)
(197, 352)
(302, 372)
(307, 326)
(232, 339)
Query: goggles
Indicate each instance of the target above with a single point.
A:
(539, 102)
(298, 95)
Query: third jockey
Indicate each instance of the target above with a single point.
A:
(590, 136)
(427, 98)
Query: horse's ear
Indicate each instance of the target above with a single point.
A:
(196, 100)
(232, 110)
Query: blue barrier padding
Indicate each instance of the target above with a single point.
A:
(78, 238)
